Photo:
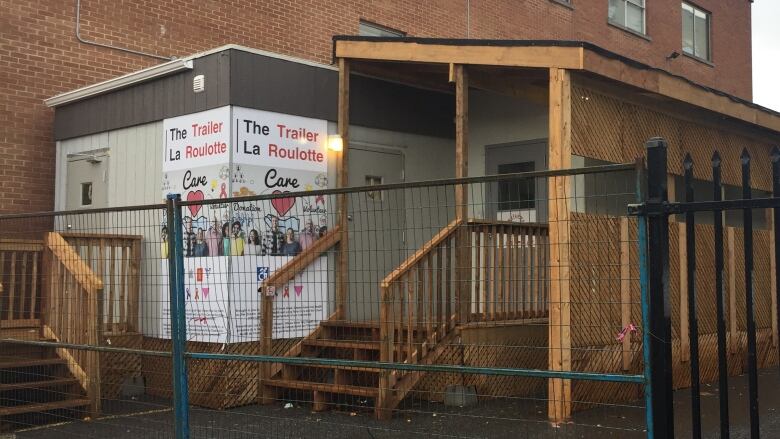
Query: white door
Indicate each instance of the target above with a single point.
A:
(376, 238)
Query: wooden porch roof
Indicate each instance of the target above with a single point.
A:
(571, 55)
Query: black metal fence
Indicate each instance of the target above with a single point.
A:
(656, 211)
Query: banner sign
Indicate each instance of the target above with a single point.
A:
(231, 248)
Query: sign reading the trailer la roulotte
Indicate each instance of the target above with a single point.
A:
(231, 248)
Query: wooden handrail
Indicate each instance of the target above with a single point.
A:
(421, 252)
(73, 263)
(302, 260)
(100, 236)
(21, 245)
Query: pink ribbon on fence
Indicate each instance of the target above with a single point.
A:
(623, 332)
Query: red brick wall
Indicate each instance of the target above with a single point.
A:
(40, 56)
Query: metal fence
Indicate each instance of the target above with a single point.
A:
(497, 306)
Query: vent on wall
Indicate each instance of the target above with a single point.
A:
(198, 83)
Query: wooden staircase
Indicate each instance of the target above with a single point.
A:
(36, 387)
(425, 302)
(328, 386)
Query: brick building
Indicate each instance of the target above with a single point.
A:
(51, 47)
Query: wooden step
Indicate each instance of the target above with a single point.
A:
(338, 389)
(344, 344)
(38, 384)
(325, 366)
(347, 324)
(43, 407)
(31, 362)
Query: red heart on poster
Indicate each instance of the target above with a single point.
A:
(195, 196)
(282, 205)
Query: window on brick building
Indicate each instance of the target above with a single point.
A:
(696, 32)
(368, 29)
(629, 14)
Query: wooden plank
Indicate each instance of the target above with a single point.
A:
(625, 290)
(410, 285)
(12, 287)
(23, 286)
(463, 241)
(20, 245)
(73, 263)
(85, 238)
(732, 271)
(485, 273)
(448, 286)
(34, 287)
(135, 289)
(342, 272)
(430, 305)
(685, 338)
(439, 289)
(124, 269)
(528, 56)
(299, 263)
(559, 406)
(112, 285)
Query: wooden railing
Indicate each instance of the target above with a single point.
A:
(278, 280)
(417, 310)
(20, 286)
(116, 260)
(72, 307)
(511, 266)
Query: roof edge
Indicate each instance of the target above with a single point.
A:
(161, 70)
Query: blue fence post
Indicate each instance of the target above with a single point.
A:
(178, 320)
(642, 244)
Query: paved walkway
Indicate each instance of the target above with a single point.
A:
(489, 419)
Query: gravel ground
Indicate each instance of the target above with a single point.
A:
(504, 418)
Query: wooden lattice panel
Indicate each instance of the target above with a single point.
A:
(116, 367)
(611, 129)
(213, 384)
(506, 347)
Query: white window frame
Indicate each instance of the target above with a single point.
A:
(694, 9)
(641, 4)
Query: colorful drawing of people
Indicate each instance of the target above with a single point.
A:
(236, 240)
(200, 248)
(308, 235)
(214, 239)
(273, 241)
(189, 238)
(253, 245)
(225, 239)
(164, 242)
(291, 247)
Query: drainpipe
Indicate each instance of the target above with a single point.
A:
(108, 46)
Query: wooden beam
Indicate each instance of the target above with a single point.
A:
(732, 271)
(677, 88)
(342, 272)
(685, 338)
(518, 56)
(559, 407)
(463, 238)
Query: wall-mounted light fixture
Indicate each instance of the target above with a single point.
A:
(335, 143)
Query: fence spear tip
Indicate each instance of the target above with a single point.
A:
(745, 156)
(775, 154)
(688, 162)
(716, 159)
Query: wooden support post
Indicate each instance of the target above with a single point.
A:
(463, 241)
(685, 339)
(266, 394)
(625, 290)
(732, 271)
(559, 395)
(342, 277)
